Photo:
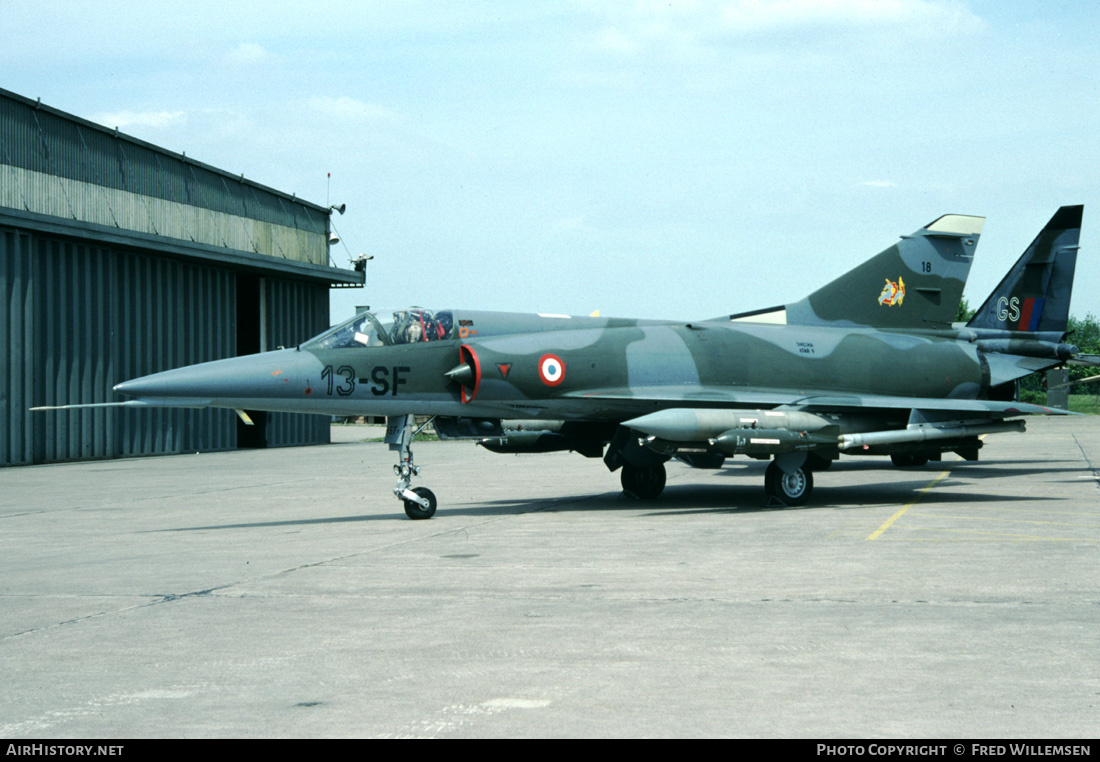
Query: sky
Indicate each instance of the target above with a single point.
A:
(678, 160)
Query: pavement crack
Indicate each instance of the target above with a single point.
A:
(172, 597)
(1094, 469)
(159, 598)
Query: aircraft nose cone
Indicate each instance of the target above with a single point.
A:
(194, 381)
(139, 387)
(271, 374)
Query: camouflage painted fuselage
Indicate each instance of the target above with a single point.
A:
(610, 370)
(875, 347)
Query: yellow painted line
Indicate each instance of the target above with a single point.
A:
(1015, 537)
(1006, 521)
(889, 522)
(988, 540)
(1039, 511)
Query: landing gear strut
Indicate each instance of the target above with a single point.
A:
(419, 503)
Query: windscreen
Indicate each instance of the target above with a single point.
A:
(370, 329)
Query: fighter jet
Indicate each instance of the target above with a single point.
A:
(870, 364)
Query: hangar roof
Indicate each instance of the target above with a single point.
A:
(68, 174)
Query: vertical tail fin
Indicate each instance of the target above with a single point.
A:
(916, 283)
(1034, 295)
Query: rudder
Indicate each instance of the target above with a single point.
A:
(1034, 296)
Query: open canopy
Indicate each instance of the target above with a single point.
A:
(385, 328)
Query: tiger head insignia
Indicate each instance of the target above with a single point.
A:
(892, 293)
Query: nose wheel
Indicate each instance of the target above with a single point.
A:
(420, 502)
(416, 509)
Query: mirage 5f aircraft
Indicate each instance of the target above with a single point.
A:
(871, 364)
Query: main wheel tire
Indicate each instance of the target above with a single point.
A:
(906, 460)
(790, 489)
(416, 511)
(644, 482)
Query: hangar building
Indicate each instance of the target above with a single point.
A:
(119, 259)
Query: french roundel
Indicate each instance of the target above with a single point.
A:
(551, 370)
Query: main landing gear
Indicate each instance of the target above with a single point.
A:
(787, 484)
(420, 502)
(643, 482)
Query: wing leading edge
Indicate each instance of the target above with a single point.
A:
(744, 397)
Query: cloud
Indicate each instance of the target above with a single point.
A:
(131, 119)
(569, 225)
(691, 24)
(759, 15)
(347, 108)
(249, 54)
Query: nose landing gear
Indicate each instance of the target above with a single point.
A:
(420, 503)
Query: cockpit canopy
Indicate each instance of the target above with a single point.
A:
(369, 329)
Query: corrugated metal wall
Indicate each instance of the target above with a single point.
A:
(16, 346)
(294, 310)
(106, 275)
(79, 318)
(167, 314)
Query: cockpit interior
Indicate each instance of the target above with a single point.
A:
(370, 329)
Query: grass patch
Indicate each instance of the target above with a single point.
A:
(1084, 403)
(421, 437)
